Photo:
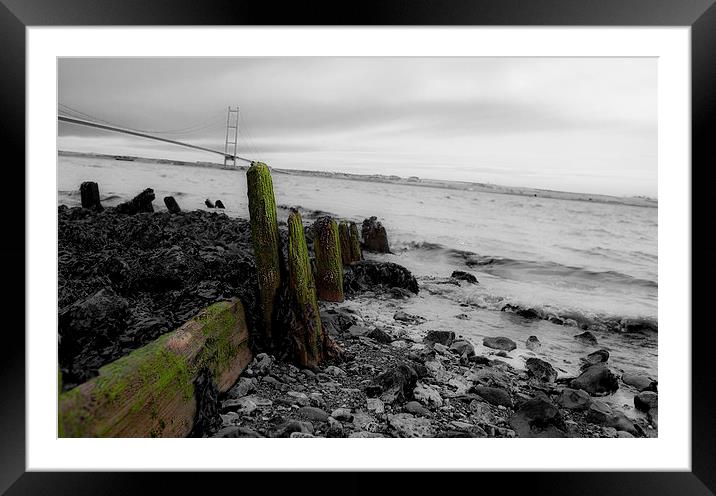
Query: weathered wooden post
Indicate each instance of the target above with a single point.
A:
(89, 194)
(307, 332)
(329, 263)
(264, 235)
(354, 242)
(344, 234)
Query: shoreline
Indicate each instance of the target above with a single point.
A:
(410, 181)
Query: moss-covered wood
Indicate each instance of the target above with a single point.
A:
(265, 239)
(329, 262)
(150, 392)
(344, 234)
(305, 332)
(354, 243)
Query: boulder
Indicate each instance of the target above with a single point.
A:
(417, 409)
(407, 425)
(646, 400)
(313, 413)
(172, 205)
(401, 316)
(241, 388)
(374, 236)
(237, 431)
(596, 380)
(209, 203)
(499, 343)
(427, 395)
(540, 370)
(462, 347)
(621, 423)
(394, 384)
(533, 343)
(574, 399)
(380, 335)
(586, 338)
(139, 204)
(219, 204)
(342, 414)
(368, 275)
(289, 427)
(464, 276)
(538, 417)
(527, 313)
(493, 395)
(640, 382)
(375, 405)
(445, 338)
(598, 412)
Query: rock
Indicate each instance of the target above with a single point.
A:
(335, 371)
(375, 405)
(335, 428)
(445, 338)
(653, 416)
(313, 413)
(596, 380)
(140, 203)
(502, 354)
(646, 400)
(462, 347)
(442, 349)
(301, 434)
(368, 275)
(541, 370)
(464, 276)
(527, 313)
(394, 384)
(243, 406)
(401, 316)
(609, 431)
(358, 330)
(407, 425)
(620, 422)
(374, 236)
(237, 431)
(624, 434)
(241, 388)
(538, 417)
(399, 343)
(640, 382)
(380, 335)
(336, 320)
(586, 338)
(298, 398)
(481, 412)
(598, 412)
(499, 343)
(172, 205)
(491, 376)
(598, 356)
(416, 408)
(316, 399)
(219, 204)
(427, 395)
(291, 426)
(365, 434)
(89, 195)
(342, 414)
(493, 395)
(480, 360)
(209, 203)
(574, 399)
(533, 343)
(263, 363)
(364, 421)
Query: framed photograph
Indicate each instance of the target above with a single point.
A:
(461, 232)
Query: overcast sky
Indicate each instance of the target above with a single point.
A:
(572, 124)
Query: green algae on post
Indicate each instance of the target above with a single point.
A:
(354, 243)
(329, 263)
(307, 333)
(344, 234)
(265, 239)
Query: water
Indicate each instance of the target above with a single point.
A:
(585, 261)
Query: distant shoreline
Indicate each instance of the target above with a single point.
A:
(392, 179)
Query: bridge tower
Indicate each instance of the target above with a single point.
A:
(232, 136)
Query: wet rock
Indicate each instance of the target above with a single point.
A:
(527, 313)
(640, 382)
(646, 400)
(337, 320)
(380, 335)
(401, 316)
(533, 343)
(442, 349)
(209, 203)
(493, 395)
(417, 409)
(219, 204)
(301, 434)
(462, 347)
(374, 405)
(427, 395)
(368, 275)
(358, 330)
(237, 431)
(499, 343)
(313, 413)
(406, 425)
(624, 434)
(620, 422)
(653, 416)
(479, 359)
(445, 338)
(172, 205)
(598, 412)
(289, 427)
(574, 399)
(375, 238)
(596, 380)
(342, 414)
(541, 370)
(586, 338)
(243, 387)
(298, 398)
(538, 417)
(395, 384)
(89, 195)
(140, 203)
(464, 276)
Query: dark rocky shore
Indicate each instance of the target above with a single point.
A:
(126, 279)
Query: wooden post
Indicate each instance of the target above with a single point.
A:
(89, 194)
(306, 334)
(265, 238)
(356, 254)
(329, 266)
(344, 234)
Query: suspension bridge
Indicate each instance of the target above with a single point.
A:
(173, 136)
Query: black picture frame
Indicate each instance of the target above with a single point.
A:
(17, 15)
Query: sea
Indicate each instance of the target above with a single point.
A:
(577, 264)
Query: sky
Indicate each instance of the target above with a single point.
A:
(571, 124)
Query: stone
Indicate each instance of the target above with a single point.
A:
(538, 417)
(598, 356)
(242, 388)
(445, 338)
(139, 204)
(237, 431)
(574, 399)
(369, 275)
(653, 416)
(335, 428)
(479, 359)
(172, 205)
(598, 412)
(394, 384)
(646, 400)
(209, 203)
(243, 406)
(464, 276)
(375, 238)
(427, 395)
(406, 425)
(316, 399)
(301, 434)
(401, 316)
(620, 422)
(640, 382)
(533, 343)
(342, 414)
(313, 413)
(462, 347)
(541, 370)
(499, 343)
(417, 409)
(441, 348)
(358, 330)
(289, 427)
(89, 196)
(493, 395)
(526, 313)
(380, 335)
(624, 434)
(399, 343)
(365, 434)
(335, 371)
(481, 412)
(298, 398)
(586, 338)
(596, 380)
(364, 421)
(375, 405)
(219, 204)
